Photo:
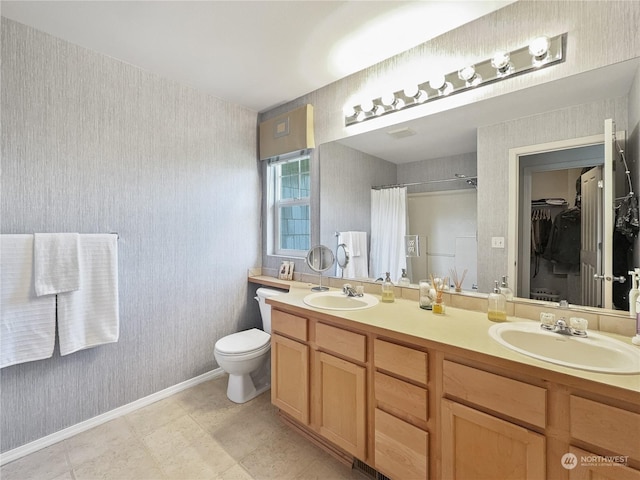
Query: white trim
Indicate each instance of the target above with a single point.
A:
(19, 452)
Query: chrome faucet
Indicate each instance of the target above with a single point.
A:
(577, 327)
(349, 291)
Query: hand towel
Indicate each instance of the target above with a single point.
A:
(358, 266)
(27, 322)
(55, 263)
(89, 316)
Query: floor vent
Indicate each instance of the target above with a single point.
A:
(370, 472)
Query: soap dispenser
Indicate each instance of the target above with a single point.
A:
(497, 309)
(404, 279)
(387, 290)
(505, 290)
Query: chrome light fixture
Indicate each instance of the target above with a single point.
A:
(542, 52)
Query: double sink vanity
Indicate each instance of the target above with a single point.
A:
(417, 395)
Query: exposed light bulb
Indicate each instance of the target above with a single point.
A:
(413, 91)
(349, 111)
(360, 116)
(469, 75)
(539, 50)
(379, 110)
(367, 106)
(398, 104)
(501, 61)
(439, 82)
(388, 99)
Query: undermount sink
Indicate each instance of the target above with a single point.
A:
(596, 352)
(339, 301)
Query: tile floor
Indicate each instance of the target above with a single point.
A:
(195, 434)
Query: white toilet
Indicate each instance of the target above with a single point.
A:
(246, 355)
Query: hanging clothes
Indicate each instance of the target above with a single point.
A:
(627, 217)
(564, 238)
(540, 230)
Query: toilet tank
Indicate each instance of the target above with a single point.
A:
(265, 309)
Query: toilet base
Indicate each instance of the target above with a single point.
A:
(241, 388)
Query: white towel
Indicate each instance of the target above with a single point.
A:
(90, 316)
(55, 257)
(27, 322)
(358, 266)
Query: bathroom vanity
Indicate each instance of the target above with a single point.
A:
(416, 395)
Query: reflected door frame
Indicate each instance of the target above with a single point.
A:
(514, 189)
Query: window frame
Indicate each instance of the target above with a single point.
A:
(276, 203)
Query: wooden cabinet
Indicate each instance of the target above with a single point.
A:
(476, 445)
(401, 411)
(341, 403)
(290, 365)
(401, 449)
(290, 377)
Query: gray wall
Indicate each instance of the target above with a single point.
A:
(346, 178)
(438, 169)
(90, 144)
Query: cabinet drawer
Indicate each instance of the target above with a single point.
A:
(401, 395)
(403, 361)
(401, 450)
(290, 325)
(343, 342)
(604, 426)
(503, 395)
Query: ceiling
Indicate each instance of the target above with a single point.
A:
(258, 54)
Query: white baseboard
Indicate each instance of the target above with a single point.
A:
(19, 452)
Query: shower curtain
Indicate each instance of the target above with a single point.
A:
(388, 228)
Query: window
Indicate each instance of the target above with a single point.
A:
(291, 187)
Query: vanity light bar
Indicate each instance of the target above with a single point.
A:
(540, 53)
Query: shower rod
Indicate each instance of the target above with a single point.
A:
(469, 180)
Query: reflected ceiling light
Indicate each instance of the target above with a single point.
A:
(501, 61)
(539, 50)
(469, 76)
(439, 82)
(542, 52)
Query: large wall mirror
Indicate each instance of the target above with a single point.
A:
(447, 186)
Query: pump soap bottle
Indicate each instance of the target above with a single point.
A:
(497, 311)
(387, 290)
(505, 290)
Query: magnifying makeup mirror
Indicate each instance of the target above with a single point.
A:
(320, 259)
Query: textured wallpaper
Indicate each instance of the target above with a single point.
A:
(91, 145)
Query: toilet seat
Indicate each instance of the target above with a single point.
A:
(243, 343)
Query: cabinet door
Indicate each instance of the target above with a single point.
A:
(341, 403)
(290, 377)
(402, 450)
(480, 446)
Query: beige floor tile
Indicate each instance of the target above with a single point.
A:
(174, 437)
(154, 416)
(281, 458)
(209, 394)
(129, 461)
(204, 460)
(45, 464)
(92, 443)
(235, 473)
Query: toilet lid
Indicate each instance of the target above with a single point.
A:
(243, 342)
